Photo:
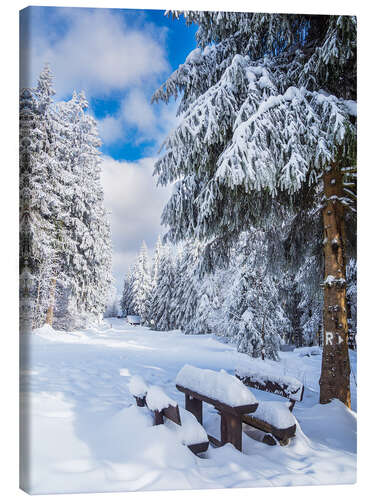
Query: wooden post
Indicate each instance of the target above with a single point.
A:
(231, 430)
(158, 417)
(195, 407)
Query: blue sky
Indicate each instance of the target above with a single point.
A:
(118, 58)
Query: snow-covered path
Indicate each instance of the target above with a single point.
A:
(86, 435)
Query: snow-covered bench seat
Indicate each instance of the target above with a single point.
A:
(166, 411)
(225, 392)
(272, 417)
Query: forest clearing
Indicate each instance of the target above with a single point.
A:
(74, 383)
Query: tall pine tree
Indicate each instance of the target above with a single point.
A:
(269, 117)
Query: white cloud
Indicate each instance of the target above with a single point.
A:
(111, 129)
(152, 122)
(136, 204)
(137, 110)
(99, 53)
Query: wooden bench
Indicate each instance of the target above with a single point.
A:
(272, 417)
(163, 407)
(231, 414)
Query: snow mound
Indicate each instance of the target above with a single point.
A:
(45, 329)
(275, 413)
(190, 431)
(216, 385)
(309, 351)
(137, 386)
(156, 399)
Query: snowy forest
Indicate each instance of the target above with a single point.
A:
(65, 240)
(262, 158)
(264, 201)
(253, 307)
(261, 225)
(253, 267)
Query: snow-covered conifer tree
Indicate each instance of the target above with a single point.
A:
(142, 285)
(255, 320)
(186, 297)
(65, 235)
(164, 292)
(352, 302)
(127, 298)
(271, 114)
(41, 234)
(88, 249)
(155, 270)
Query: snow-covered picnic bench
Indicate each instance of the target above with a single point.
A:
(166, 411)
(225, 392)
(275, 418)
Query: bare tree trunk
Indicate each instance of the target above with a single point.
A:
(335, 376)
(263, 337)
(49, 317)
(36, 310)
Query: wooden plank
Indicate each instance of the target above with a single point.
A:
(215, 441)
(198, 447)
(233, 410)
(173, 413)
(266, 427)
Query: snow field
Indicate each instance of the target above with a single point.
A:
(85, 434)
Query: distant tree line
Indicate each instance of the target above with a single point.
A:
(252, 306)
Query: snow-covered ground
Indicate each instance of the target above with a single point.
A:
(84, 433)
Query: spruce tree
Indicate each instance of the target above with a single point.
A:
(41, 235)
(64, 231)
(127, 298)
(186, 295)
(87, 258)
(255, 320)
(162, 311)
(142, 286)
(155, 271)
(270, 116)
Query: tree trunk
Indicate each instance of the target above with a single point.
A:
(49, 317)
(335, 376)
(37, 306)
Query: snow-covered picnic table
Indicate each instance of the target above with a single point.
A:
(222, 390)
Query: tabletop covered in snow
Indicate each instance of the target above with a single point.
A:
(215, 385)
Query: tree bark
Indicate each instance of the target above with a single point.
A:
(335, 375)
(49, 317)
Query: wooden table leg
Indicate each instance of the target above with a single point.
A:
(195, 407)
(158, 417)
(231, 430)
